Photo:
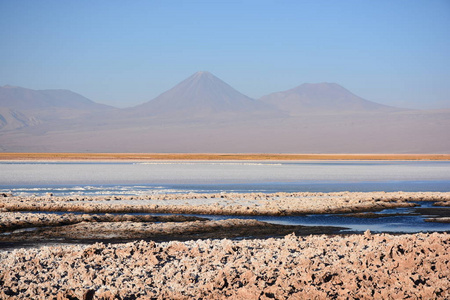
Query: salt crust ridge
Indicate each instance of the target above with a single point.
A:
(225, 203)
(369, 266)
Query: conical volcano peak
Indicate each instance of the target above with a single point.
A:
(203, 73)
(203, 83)
(202, 76)
(201, 94)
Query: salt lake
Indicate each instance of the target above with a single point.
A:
(137, 178)
(203, 176)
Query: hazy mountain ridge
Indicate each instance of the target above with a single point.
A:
(48, 105)
(321, 98)
(204, 114)
(26, 99)
(199, 95)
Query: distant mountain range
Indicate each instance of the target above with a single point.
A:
(204, 94)
(205, 114)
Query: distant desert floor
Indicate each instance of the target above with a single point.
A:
(216, 156)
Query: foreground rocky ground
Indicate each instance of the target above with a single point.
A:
(380, 266)
(297, 267)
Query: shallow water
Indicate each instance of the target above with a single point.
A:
(127, 178)
(405, 222)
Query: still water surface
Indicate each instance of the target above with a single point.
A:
(134, 178)
(200, 176)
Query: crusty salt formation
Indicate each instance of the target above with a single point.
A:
(252, 204)
(123, 228)
(379, 266)
(13, 220)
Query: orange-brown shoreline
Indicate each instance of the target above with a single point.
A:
(216, 156)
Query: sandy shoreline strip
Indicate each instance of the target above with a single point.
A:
(214, 156)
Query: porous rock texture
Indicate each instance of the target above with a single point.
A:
(381, 266)
(442, 203)
(92, 231)
(438, 220)
(15, 220)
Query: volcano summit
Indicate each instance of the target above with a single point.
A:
(201, 95)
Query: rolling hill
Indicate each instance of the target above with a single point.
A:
(48, 104)
(321, 98)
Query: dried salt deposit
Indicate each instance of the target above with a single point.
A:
(225, 203)
(365, 266)
(167, 228)
(14, 220)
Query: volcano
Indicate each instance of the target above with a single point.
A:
(321, 98)
(202, 94)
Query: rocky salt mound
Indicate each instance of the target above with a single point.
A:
(253, 204)
(365, 266)
(15, 220)
(125, 228)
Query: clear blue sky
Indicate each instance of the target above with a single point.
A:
(127, 52)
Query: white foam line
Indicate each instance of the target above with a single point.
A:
(207, 163)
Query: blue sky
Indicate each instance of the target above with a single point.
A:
(127, 52)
